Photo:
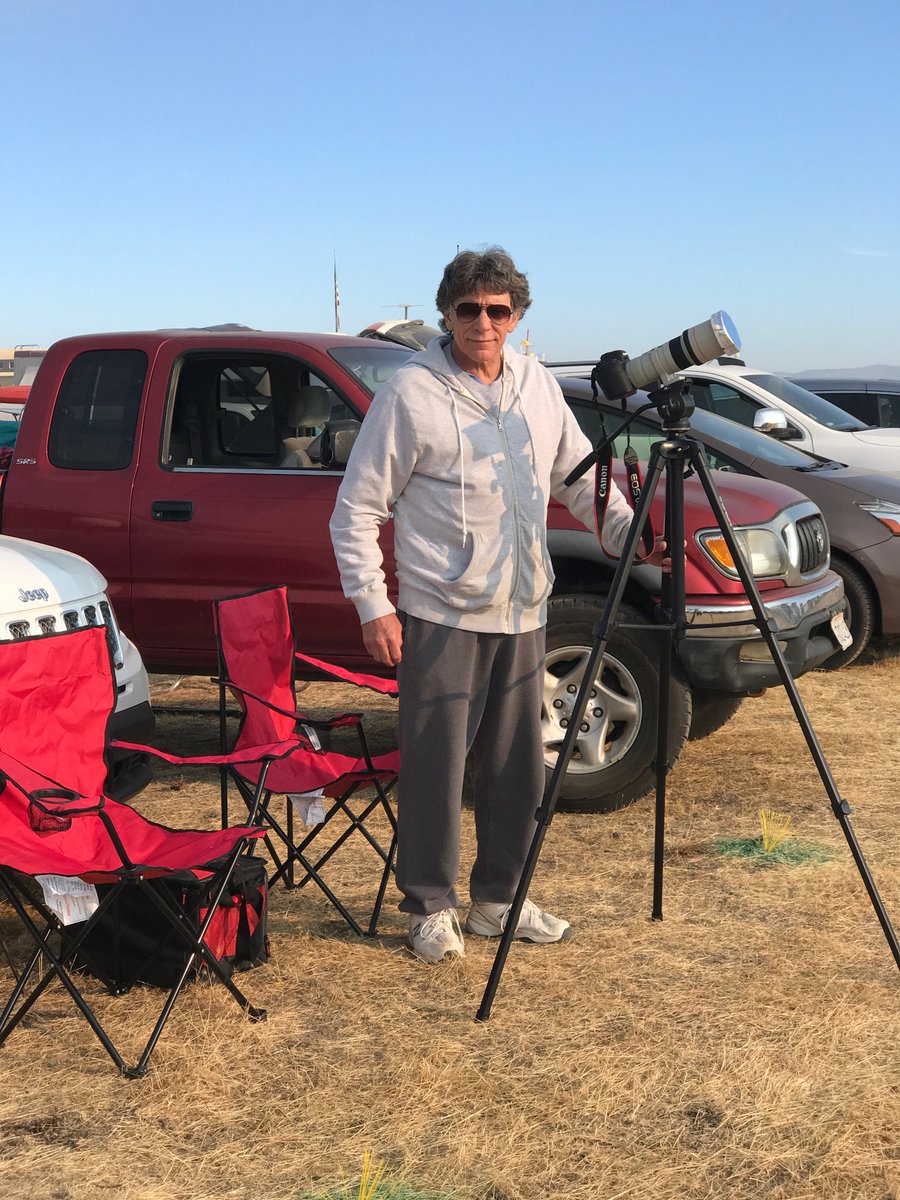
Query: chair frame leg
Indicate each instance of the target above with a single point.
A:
(193, 939)
(296, 853)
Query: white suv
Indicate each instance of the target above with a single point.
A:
(44, 591)
(783, 410)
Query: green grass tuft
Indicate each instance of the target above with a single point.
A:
(384, 1191)
(790, 854)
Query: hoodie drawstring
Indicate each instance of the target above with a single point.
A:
(462, 463)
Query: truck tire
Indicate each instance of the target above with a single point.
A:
(612, 764)
(859, 614)
(710, 711)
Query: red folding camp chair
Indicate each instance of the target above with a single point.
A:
(56, 697)
(257, 664)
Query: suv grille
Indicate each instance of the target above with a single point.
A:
(813, 544)
(72, 618)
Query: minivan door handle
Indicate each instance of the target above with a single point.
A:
(172, 510)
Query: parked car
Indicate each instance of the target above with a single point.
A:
(412, 333)
(12, 402)
(790, 413)
(9, 423)
(873, 401)
(861, 509)
(46, 591)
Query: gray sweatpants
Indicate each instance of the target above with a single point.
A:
(460, 692)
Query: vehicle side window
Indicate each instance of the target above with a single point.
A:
(858, 404)
(643, 433)
(724, 400)
(721, 462)
(248, 411)
(643, 437)
(888, 412)
(96, 412)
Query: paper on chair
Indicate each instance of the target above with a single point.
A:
(309, 806)
(71, 899)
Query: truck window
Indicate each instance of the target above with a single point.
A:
(95, 416)
(247, 411)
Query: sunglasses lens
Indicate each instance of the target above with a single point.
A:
(468, 311)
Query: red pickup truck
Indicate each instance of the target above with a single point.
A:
(191, 464)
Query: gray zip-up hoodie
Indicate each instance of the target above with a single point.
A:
(469, 488)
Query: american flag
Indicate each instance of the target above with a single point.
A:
(337, 301)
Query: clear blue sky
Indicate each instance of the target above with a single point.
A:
(645, 162)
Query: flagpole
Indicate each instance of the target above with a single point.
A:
(337, 299)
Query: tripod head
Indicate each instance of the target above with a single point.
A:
(674, 403)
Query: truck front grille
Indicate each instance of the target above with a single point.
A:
(814, 546)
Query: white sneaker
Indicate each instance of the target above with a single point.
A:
(489, 920)
(436, 936)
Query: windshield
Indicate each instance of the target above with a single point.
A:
(372, 365)
(813, 406)
(750, 441)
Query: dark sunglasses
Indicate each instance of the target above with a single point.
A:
(498, 314)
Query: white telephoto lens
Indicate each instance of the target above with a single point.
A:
(696, 345)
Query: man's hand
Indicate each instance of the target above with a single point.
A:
(658, 556)
(383, 639)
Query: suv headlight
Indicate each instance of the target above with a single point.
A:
(885, 512)
(764, 551)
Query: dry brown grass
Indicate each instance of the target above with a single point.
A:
(744, 1047)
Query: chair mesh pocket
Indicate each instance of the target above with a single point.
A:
(44, 823)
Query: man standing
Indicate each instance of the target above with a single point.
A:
(465, 445)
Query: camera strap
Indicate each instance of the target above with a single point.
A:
(635, 483)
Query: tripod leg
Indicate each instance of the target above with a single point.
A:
(662, 771)
(544, 814)
(839, 806)
(673, 604)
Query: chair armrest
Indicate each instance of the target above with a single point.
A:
(387, 687)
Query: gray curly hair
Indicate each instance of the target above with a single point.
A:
(491, 271)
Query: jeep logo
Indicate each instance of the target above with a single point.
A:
(33, 594)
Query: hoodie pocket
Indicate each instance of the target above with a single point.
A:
(549, 576)
(472, 588)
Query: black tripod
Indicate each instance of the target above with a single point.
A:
(673, 455)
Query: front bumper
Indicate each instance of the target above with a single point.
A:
(724, 650)
(128, 770)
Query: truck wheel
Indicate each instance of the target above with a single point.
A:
(710, 711)
(859, 614)
(612, 764)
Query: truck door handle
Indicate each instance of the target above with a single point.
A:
(172, 510)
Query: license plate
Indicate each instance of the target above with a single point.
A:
(841, 632)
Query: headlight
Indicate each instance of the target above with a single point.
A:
(885, 512)
(764, 550)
